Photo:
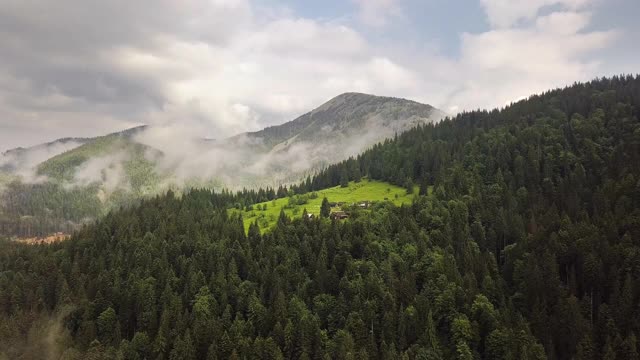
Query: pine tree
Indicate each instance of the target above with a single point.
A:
(108, 327)
(344, 178)
(424, 185)
(325, 209)
(409, 187)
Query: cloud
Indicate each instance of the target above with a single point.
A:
(245, 161)
(516, 62)
(378, 13)
(107, 170)
(70, 57)
(221, 67)
(24, 162)
(507, 13)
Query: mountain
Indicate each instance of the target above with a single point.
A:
(345, 118)
(14, 159)
(143, 161)
(342, 127)
(97, 156)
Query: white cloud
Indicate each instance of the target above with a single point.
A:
(222, 67)
(563, 23)
(378, 13)
(284, 67)
(107, 170)
(24, 163)
(506, 13)
(505, 64)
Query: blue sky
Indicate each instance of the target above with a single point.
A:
(441, 22)
(430, 23)
(219, 67)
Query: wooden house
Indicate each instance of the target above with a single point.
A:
(339, 215)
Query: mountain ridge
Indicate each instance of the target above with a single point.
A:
(333, 131)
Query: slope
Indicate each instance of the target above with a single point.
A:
(64, 166)
(74, 186)
(22, 160)
(266, 213)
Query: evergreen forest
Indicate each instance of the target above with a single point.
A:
(523, 243)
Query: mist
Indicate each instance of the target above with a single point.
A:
(107, 170)
(45, 337)
(149, 160)
(183, 158)
(24, 162)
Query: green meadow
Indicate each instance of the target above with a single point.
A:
(267, 213)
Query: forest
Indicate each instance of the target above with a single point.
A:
(528, 247)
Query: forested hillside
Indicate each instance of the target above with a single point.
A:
(528, 247)
(75, 186)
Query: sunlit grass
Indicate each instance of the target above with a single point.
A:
(366, 190)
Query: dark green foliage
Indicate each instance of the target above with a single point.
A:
(526, 249)
(30, 210)
(325, 209)
(408, 184)
(344, 178)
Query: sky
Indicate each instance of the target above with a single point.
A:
(215, 68)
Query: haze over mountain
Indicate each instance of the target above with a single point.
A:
(342, 127)
(347, 115)
(118, 168)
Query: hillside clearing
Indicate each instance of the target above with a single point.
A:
(49, 239)
(365, 190)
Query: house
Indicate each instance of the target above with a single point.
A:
(364, 204)
(339, 215)
(310, 216)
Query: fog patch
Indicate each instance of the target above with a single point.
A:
(182, 157)
(46, 338)
(106, 170)
(240, 161)
(24, 162)
(327, 128)
(245, 161)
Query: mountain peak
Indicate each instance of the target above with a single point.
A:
(346, 117)
(132, 131)
(353, 94)
(356, 99)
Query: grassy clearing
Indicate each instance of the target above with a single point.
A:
(366, 190)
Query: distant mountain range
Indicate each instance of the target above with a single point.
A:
(342, 127)
(146, 160)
